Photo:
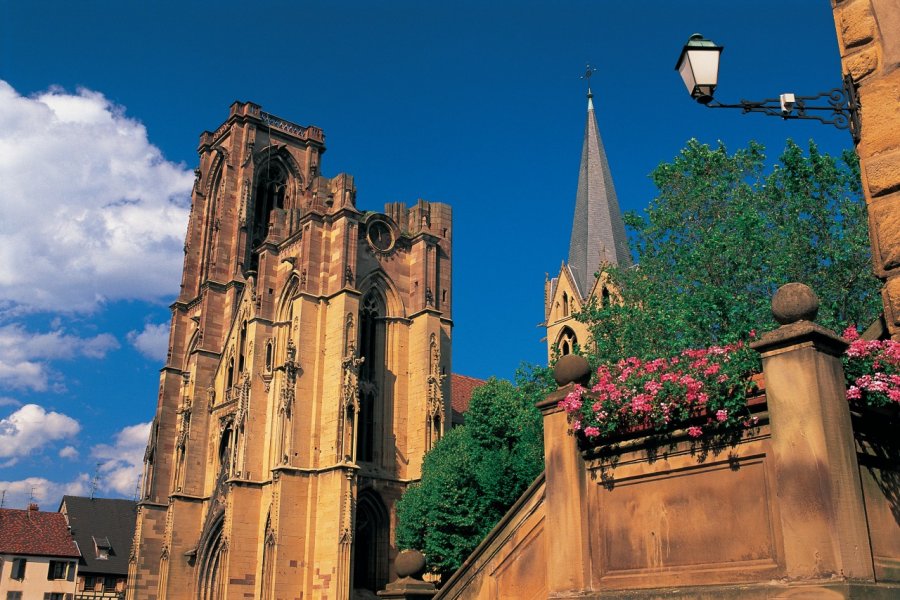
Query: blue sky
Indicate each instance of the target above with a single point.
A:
(477, 104)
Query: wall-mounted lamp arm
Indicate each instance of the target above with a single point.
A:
(838, 107)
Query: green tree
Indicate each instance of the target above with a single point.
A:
(722, 236)
(476, 472)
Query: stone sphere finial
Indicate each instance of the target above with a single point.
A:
(572, 368)
(410, 563)
(794, 302)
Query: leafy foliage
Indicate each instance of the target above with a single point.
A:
(722, 236)
(476, 472)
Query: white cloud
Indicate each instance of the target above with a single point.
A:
(91, 210)
(152, 342)
(23, 354)
(121, 463)
(31, 428)
(68, 452)
(47, 494)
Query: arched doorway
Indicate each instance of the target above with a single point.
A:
(214, 554)
(371, 543)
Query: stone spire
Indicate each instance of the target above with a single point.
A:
(598, 232)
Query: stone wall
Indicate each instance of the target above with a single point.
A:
(805, 504)
(868, 34)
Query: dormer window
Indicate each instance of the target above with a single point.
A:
(102, 547)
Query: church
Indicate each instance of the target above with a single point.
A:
(306, 377)
(598, 241)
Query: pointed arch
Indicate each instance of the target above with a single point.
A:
(213, 553)
(371, 542)
(267, 565)
(393, 303)
(192, 344)
(286, 298)
(372, 349)
(566, 341)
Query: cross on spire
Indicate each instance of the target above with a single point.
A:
(588, 72)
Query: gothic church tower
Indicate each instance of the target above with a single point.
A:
(305, 377)
(598, 241)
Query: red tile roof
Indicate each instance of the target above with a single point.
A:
(461, 389)
(35, 533)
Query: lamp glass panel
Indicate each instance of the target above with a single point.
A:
(705, 66)
(687, 74)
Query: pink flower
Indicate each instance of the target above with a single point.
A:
(572, 402)
(695, 431)
(854, 393)
(721, 415)
(712, 369)
(851, 333)
(591, 431)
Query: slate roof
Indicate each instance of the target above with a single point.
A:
(461, 389)
(35, 533)
(106, 520)
(598, 231)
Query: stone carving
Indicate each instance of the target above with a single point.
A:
(286, 400)
(350, 389)
(184, 423)
(290, 368)
(350, 372)
(435, 381)
(243, 400)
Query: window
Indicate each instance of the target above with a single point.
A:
(13, 595)
(61, 569)
(57, 596)
(18, 569)
(109, 584)
(88, 582)
(102, 547)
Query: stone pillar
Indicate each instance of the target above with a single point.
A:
(816, 475)
(868, 34)
(410, 565)
(568, 549)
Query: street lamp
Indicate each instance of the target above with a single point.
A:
(698, 66)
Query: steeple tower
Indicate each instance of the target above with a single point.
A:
(598, 241)
(598, 232)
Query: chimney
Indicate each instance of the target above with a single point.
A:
(33, 507)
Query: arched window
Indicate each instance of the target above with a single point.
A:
(565, 305)
(566, 341)
(225, 450)
(371, 348)
(271, 184)
(242, 347)
(604, 297)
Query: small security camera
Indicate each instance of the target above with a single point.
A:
(787, 104)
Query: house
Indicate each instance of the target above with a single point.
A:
(38, 557)
(103, 529)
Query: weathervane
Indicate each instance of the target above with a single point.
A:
(589, 70)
